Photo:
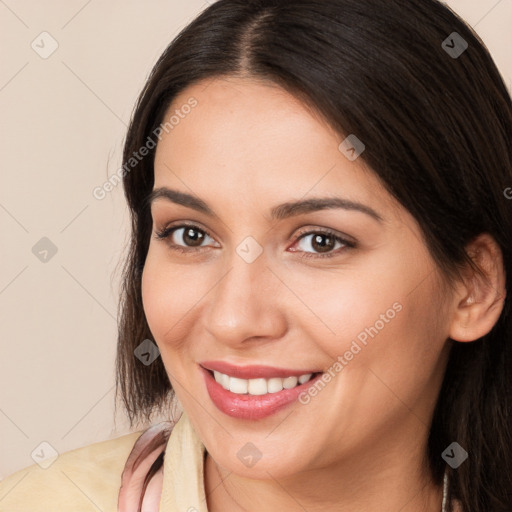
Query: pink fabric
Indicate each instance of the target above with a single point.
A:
(144, 463)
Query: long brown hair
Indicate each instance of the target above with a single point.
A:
(436, 125)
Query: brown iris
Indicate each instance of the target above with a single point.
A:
(320, 244)
(193, 237)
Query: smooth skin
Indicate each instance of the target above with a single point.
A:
(358, 444)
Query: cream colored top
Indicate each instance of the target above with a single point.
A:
(89, 479)
(183, 489)
(83, 480)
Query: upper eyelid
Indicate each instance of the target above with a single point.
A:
(173, 228)
(328, 231)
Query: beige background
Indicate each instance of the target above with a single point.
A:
(63, 122)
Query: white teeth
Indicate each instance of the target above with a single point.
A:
(238, 386)
(305, 378)
(274, 385)
(222, 378)
(290, 382)
(259, 386)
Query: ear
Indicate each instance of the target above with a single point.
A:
(479, 298)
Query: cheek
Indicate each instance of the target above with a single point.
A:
(168, 296)
(389, 312)
(344, 306)
(400, 344)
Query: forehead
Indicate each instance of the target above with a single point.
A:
(253, 138)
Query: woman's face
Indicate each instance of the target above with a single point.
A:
(267, 277)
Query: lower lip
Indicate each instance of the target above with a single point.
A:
(252, 407)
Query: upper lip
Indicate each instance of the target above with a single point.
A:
(253, 371)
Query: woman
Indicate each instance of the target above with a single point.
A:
(396, 109)
(321, 248)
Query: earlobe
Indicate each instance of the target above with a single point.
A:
(481, 296)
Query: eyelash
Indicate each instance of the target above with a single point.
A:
(167, 231)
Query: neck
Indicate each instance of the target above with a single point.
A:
(385, 480)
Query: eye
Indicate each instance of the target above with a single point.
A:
(317, 244)
(184, 237)
(322, 244)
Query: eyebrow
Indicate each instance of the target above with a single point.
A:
(279, 212)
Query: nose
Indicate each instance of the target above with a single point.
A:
(246, 303)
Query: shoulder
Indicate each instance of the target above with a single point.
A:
(83, 479)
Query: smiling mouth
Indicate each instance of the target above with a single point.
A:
(259, 386)
(259, 397)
